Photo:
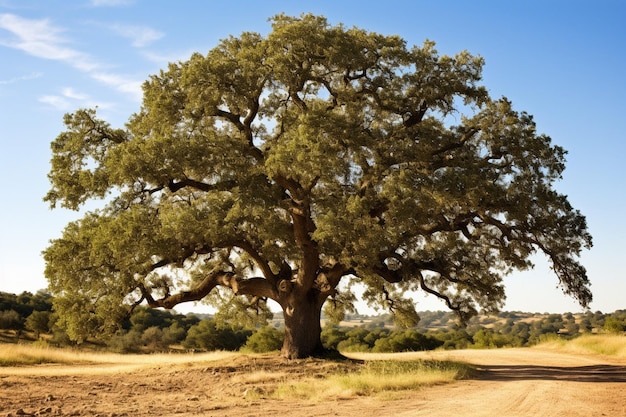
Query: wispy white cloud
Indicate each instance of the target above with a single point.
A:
(70, 99)
(121, 83)
(58, 102)
(41, 39)
(27, 77)
(140, 36)
(73, 94)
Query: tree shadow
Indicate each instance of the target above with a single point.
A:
(593, 373)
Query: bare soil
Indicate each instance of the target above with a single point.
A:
(511, 382)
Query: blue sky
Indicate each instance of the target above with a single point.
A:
(561, 60)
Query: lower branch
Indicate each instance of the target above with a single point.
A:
(256, 287)
(458, 309)
(195, 294)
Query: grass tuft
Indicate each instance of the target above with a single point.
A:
(377, 377)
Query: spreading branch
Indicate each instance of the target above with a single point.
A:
(258, 287)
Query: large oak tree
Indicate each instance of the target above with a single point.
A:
(292, 166)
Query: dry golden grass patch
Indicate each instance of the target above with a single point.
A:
(24, 355)
(599, 344)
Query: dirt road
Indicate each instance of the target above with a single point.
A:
(528, 382)
(512, 382)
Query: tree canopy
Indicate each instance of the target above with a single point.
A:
(291, 166)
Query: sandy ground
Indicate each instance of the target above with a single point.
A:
(511, 382)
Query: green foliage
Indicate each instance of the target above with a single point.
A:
(155, 339)
(125, 342)
(355, 341)
(378, 340)
(336, 308)
(239, 312)
(596, 319)
(614, 325)
(265, 339)
(143, 318)
(331, 336)
(38, 322)
(454, 339)
(406, 341)
(208, 335)
(504, 330)
(25, 303)
(82, 318)
(487, 338)
(175, 333)
(10, 319)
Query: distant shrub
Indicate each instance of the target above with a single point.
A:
(208, 335)
(155, 340)
(125, 342)
(11, 320)
(266, 339)
(487, 338)
(614, 325)
(38, 322)
(350, 345)
(407, 341)
(175, 333)
(331, 336)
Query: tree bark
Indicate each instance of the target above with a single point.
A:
(302, 313)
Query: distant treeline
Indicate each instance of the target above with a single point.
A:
(30, 317)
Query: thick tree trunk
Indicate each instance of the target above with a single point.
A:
(302, 326)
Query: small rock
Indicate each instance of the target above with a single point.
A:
(50, 397)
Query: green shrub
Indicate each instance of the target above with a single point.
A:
(352, 345)
(38, 322)
(407, 341)
(175, 333)
(11, 320)
(266, 339)
(332, 336)
(125, 342)
(155, 340)
(208, 335)
(614, 325)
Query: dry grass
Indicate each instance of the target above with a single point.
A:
(23, 355)
(376, 377)
(601, 344)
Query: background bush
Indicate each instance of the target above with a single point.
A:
(266, 339)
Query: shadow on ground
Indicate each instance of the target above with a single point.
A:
(594, 373)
